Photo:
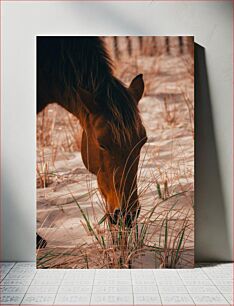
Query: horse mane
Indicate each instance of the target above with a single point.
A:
(122, 112)
(84, 62)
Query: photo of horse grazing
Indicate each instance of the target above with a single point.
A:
(115, 152)
(76, 73)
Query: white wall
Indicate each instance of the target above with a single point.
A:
(211, 24)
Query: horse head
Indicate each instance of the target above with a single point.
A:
(111, 143)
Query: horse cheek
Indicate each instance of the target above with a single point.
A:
(89, 155)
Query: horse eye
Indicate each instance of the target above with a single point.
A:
(102, 147)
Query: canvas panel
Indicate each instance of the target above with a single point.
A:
(107, 196)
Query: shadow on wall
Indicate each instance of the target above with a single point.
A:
(211, 233)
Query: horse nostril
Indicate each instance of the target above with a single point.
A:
(116, 215)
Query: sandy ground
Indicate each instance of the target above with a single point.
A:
(167, 160)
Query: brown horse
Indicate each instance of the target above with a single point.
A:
(76, 72)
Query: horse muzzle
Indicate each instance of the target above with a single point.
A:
(127, 218)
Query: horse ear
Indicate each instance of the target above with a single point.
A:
(87, 100)
(137, 87)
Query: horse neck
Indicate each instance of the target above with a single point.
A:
(62, 66)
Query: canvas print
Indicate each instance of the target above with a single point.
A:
(115, 152)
